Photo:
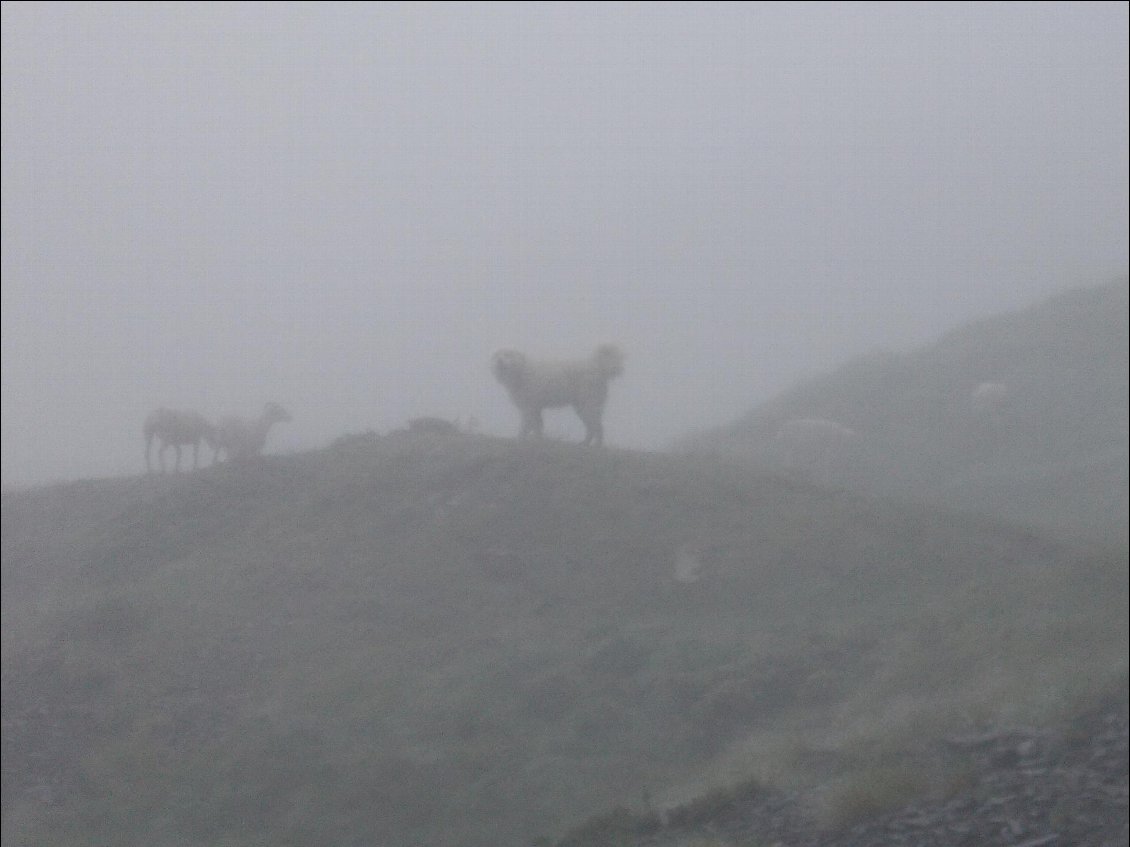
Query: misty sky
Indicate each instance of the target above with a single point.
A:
(347, 208)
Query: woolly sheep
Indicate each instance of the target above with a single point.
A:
(239, 439)
(174, 428)
(815, 447)
(989, 397)
(538, 385)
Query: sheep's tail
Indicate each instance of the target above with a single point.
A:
(609, 360)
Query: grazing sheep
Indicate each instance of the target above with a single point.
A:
(535, 386)
(989, 398)
(174, 428)
(988, 411)
(242, 439)
(815, 447)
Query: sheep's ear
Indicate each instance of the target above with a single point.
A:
(508, 365)
(610, 359)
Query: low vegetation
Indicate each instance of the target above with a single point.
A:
(457, 640)
(1021, 416)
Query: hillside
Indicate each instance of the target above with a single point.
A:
(1049, 449)
(468, 641)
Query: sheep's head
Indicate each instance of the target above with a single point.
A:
(609, 360)
(275, 413)
(509, 367)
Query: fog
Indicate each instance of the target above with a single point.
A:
(347, 208)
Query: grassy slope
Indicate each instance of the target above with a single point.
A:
(1056, 456)
(460, 641)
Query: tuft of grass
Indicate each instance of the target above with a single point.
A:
(710, 805)
(392, 640)
(619, 827)
(870, 792)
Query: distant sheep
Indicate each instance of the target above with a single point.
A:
(172, 428)
(988, 411)
(537, 385)
(815, 447)
(241, 439)
(989, 398)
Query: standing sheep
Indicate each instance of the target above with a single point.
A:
(817, 448)
(172, 428)
(988, 413)
(536, 385)
(989, 400)
(239, 439)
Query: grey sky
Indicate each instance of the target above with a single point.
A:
(348, 208)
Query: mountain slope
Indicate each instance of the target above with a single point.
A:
(456, 640)
(1049, 449)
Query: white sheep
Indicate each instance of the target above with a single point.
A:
(239, 439)
(988, 411)
(173, 428)
(815, 447)
(989, 398)
(537, 385)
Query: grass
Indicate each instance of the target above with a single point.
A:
(1053, 455)
(461, 641)
(869, 791)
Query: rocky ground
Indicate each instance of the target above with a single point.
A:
(1064, 787)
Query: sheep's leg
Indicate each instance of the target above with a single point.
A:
(148, 450)
(176, 467)
(532, 423)
(195, 455)
(594, 429)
